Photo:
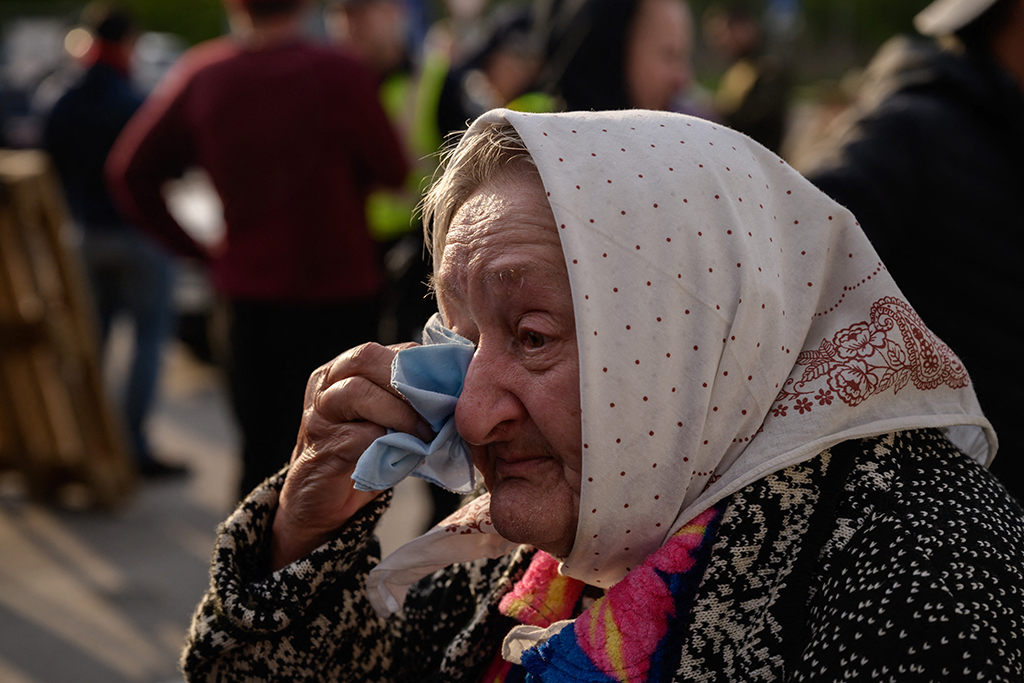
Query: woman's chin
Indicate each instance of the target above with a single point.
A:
(523, 514)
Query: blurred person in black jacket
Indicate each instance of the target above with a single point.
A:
(499, 69)
(930, 165)
(128, 273)
(753, 94)
(617, 54)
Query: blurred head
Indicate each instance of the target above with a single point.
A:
(999, 26)
(658, 52)
(109, 23)
(732, 30)
(375, 30)
(616, 54)
(262, 23)
(993, 28)
(258, 9)
(506, 52)
(113, 33)
(501, 281)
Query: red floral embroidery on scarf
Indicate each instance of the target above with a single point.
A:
(869, 358)
(711, 480)
(468, 520)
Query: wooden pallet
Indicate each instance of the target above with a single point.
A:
(56, 424)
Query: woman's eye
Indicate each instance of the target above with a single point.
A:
(535, 340)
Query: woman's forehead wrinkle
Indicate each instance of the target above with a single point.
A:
(447, 281)
(506, 276)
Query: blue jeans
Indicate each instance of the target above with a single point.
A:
(131, 276)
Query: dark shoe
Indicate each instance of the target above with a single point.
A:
(154, 469)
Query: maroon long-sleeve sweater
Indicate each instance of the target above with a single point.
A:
(292, 137)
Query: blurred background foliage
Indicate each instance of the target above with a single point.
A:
(192, 20)
(827, 43)
(868, 22)
(863, 24)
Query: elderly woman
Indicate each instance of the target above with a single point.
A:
(717, 445)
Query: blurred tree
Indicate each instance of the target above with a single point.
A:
(193, 20)
(866, 22)
(830, 36)
(863, 21)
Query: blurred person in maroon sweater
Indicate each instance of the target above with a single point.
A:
(293, 137)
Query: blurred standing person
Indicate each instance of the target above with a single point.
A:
(128, 273)
(500, 68)
(618, 54)
(376, 31)
(293, 137)
(753, 95)
(931, 168)
(452, 32)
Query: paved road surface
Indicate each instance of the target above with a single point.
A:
(106, 598)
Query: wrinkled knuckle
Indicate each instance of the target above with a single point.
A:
(361, 391)
(306, 454)
(315, 381)
(315, 405)
(345, 433)
(329, 403)
(321, 372)
(367, 355)
(312, 418)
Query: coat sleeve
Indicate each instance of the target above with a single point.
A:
(312, 622)
(378, 151)
(154, 147)
(309, 621)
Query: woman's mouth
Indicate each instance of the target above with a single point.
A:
(520, 467)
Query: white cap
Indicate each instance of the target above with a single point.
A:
(944, 17)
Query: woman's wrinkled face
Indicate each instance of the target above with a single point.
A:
(503, 283)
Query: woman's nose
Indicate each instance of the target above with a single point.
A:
(487, 408)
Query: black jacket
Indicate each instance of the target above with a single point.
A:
(933, 171)
(79, 133)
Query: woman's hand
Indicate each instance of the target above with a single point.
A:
(349, 403)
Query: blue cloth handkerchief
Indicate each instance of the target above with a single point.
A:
(430, 377)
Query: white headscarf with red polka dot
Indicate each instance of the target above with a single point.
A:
(732, 320)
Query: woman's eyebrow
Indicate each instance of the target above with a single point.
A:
(503, 275)
(507, 275)
(438, 284)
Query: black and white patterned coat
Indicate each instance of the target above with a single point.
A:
(894, 558)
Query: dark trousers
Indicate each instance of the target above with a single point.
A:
(274, 348)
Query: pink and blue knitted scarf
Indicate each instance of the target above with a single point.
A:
(631, 635)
